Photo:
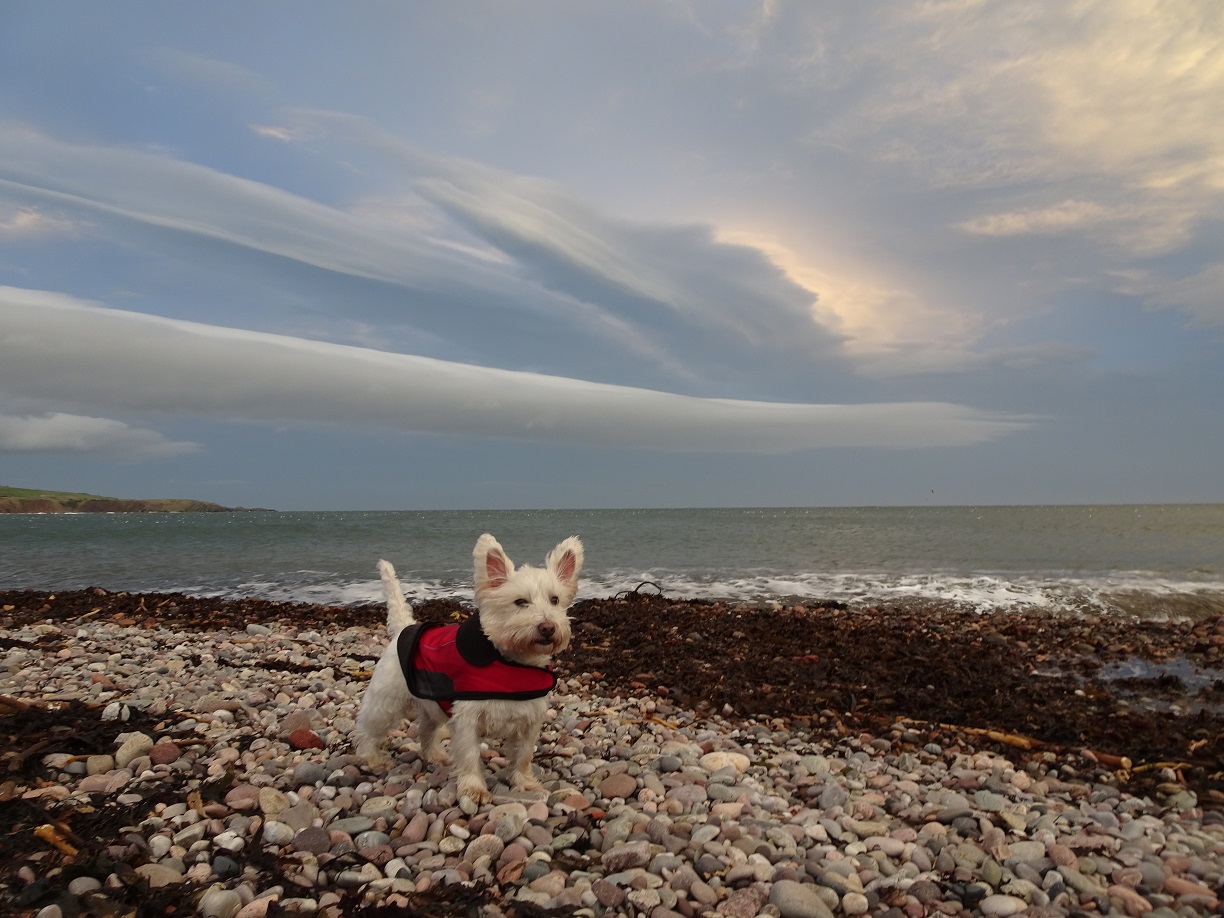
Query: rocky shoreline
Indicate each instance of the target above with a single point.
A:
(115, 505)
(175, 755)
(24, 500)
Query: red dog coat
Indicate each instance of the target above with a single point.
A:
(448, 663)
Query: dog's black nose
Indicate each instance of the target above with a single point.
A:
(546, 630)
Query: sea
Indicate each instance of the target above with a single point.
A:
(1146, 560)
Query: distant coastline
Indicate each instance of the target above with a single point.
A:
(23, 500)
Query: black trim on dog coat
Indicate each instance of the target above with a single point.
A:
(448, 663)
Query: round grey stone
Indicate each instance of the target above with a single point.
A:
(353, 825)
(833, 795)
(536, 869)
(309, 773)
(371, 839)
(225, 867)
(989, 801)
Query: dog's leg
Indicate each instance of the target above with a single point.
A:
(465, 753)
(384, 706)
(520, 749)
(432, 724)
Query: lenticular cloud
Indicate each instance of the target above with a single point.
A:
(58, 350)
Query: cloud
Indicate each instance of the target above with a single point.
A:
(72, 433)
(279, 132)
(450, 282)
(1128, 88)
(885, 327)
(1136, 227)
(170, 194)
(656, 276)
(649, 280)
(1116, 97)
(1064, 217)
(473, 239)
(202, 70)
(1201, 296)
(32, 223)
(59, 349)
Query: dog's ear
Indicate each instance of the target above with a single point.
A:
(492, 566)
(565, 561)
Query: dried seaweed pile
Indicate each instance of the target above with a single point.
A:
(1035, 679)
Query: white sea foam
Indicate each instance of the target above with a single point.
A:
(1132, 593)
(981, 592)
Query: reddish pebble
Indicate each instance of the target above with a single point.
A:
(164, 753)
(621, 785)
(513, 853)
(242, 797)
(305, 739)
(1180, 886)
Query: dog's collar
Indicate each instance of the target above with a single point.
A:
(474, 645)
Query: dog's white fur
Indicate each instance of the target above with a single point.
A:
(523, 612)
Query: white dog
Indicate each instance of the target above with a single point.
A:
(489, 676)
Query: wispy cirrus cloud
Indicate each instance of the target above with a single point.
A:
(1064, 217)
(18, 223)
(1126, 89)
(473, 240)
(203, 70)
(1201, 295)
(1100, 115)
(659, 276)
(169, 193)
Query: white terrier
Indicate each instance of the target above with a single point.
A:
(490, 675)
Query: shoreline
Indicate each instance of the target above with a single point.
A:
(703, 757)
(1154, 600)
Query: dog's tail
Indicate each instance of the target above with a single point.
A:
(399, 612)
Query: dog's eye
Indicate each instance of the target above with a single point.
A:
(555, 600)
(522, 603)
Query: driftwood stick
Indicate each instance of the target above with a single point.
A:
(9, 704)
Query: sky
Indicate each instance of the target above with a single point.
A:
(617, 253)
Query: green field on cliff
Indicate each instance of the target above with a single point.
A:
(29, 500)
(27, 494)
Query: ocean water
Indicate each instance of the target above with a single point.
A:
(1150, 560)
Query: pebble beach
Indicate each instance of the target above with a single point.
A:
(228, 788)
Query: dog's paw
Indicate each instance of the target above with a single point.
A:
(478, 793)
(374, 757)
(526, 782)
(436, 756)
